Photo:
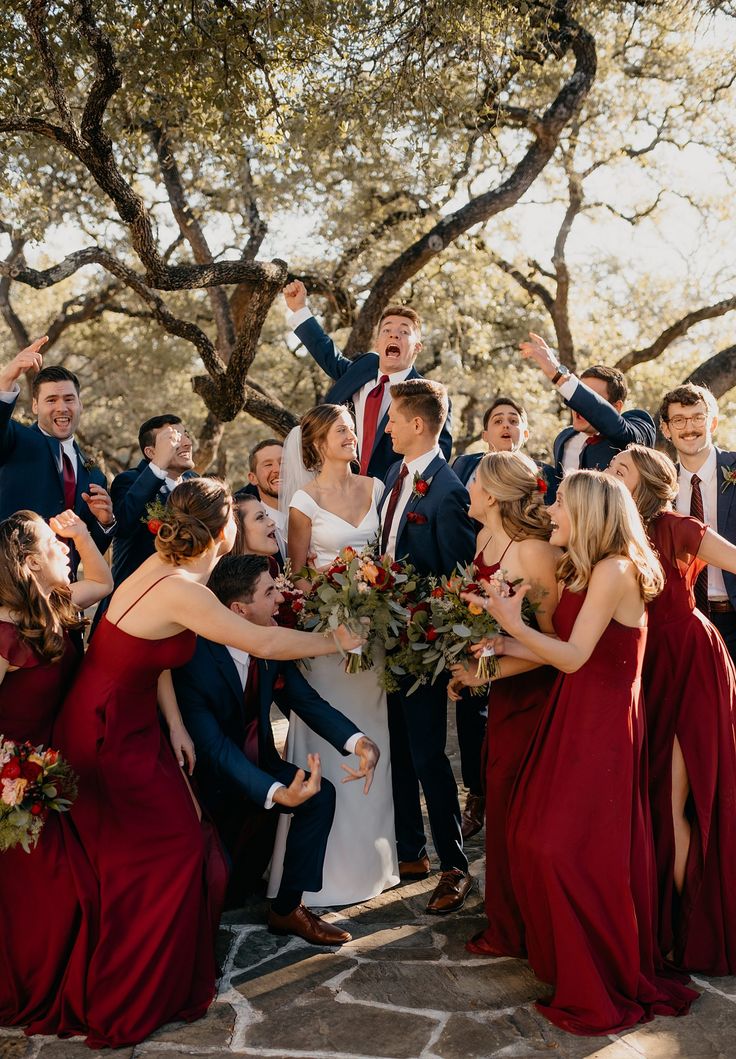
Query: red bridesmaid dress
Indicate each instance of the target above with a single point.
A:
(161, 873)
(41, 916)
(515, 705)
(580, 844)
(690, 692)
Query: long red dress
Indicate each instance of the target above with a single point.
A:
(515, 705)
(161, 875)
(580, 844)
(40, 913)
(690, 692)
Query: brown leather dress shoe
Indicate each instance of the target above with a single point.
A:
(414, 869)
(472, 815)
(304, 924)
(450, 892)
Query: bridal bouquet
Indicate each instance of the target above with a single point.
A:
(290, 610)
(365, 592)
(33, 781)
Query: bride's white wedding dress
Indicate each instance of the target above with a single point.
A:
(361, 858)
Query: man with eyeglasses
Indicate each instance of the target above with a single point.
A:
(689, 418)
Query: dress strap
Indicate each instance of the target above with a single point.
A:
(157, 582)
(512, 541)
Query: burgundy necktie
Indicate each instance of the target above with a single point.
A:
(697, 511)
(370, 422)
(251, 710)
(391, 506)
(70, 482)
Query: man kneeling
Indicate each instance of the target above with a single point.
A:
(225, 698)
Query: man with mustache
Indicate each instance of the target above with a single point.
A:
(42, 468)
(365, 381)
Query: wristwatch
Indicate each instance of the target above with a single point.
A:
(561, 370)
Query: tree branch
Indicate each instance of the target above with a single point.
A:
(673, 332)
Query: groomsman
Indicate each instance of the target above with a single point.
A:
(599, 428)
(505, 429)
(424, 518)
(365, 382)
(167, 460)
(225, 698)
(42, 468)
(689, 419)
(264, 476)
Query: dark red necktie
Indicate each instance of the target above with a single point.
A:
(251, 711)
(697, 511)
(391, 506)
(370, 422)
(70, 482)
(593, 439)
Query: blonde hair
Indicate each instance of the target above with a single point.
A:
(604, 522)
(513, 480)
(658, 485)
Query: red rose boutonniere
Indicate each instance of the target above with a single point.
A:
(416, 517)
(729, 477)
(420, 487)
(541, 485)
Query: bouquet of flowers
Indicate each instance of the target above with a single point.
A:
(290, 610)
(33, 781)
(367, 593)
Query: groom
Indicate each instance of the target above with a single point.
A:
(424, 518)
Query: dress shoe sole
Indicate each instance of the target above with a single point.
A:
(323, 944)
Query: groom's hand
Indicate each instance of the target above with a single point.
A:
(368, 754)
(302, 787)
(295, 294)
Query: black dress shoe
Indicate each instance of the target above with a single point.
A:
(415, 869)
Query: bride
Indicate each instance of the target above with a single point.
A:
(329, 508)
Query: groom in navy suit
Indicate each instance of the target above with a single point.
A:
(424, 518)
(42, 468)
(225, 698)
(365, 382)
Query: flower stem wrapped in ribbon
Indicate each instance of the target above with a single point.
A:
(33, 782)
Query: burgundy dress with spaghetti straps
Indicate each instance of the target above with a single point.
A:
(515, 705)
(161, 873)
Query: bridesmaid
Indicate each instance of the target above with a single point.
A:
(40, 914)
(506, 498)
(690, 695)
(161, 877)
(580, 840)
(256, 530)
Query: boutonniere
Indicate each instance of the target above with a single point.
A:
(155, 516)
(420, 486)
(89, 463)
(729, 477)
(416, 517)
(541, 485)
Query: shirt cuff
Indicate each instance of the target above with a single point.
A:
(568, 387)
(268, 804)
(297, 317)
(353, 742)
(157, 470)
(109, 527)
(8, 396)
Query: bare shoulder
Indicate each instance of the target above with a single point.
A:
(538, 551)
(613, 568)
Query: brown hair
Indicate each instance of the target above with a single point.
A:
(614, 379)
(41, 619)
(240, 501)
(401, 310)
(197, 511)
(513, 479)
(658, 485)
(688, 394)
(54, 373)
(265, 444)
(423, 398)
(315, 425)
(501, 400)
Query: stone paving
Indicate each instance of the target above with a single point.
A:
(404, 988)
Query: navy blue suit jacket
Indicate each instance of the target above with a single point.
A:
(464, 465)
(617, 430)
(31, 478)
(350, 376)
(726, 511)
(131, 492)
(444, 535)
(210, 697)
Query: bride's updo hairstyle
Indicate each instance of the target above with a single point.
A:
(316, 424)
(197, 511)
(658, 485)
(604, 522)
(515, 482)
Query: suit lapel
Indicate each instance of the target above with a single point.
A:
(54, 448)
(428, 472)
(227, 668)
(725, 492)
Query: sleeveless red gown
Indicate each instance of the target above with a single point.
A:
(580, 844)
(40, 912)
(690, 692)
(161, 873)
(515, 705)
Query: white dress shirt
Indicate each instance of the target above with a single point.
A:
(573, 448)
(170, 483)
(417, 466)
(242, 664)
(359, 397)
(708, 475)
(281, 520)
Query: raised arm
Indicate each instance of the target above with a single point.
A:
(29, 359)
(318, 344)
(717, 551)
(97, 582)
